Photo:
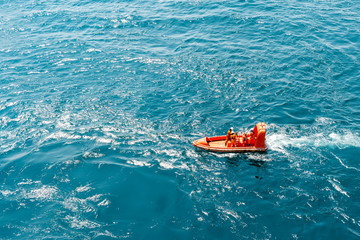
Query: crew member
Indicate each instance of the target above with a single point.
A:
(233, 139)
(228, 135)
(252, 138)
(245, 139)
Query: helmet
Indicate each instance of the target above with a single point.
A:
(232, 129)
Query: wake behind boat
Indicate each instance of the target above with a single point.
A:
(242, 143)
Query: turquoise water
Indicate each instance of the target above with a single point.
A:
(101, 100)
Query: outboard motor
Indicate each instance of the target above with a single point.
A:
(260, 131)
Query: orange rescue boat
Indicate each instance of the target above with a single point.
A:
(217, 144)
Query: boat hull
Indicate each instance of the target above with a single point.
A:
(217, 144)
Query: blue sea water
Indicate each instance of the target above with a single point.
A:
(101, 100)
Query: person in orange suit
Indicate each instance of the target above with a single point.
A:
(228, 135)
(251, 138)
(233, 139)
(245, 139)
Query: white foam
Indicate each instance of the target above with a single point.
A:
(324, 120)
(337, 187)
(43, 193)
(9, 104)
(256, 157)
(28, 182)
(59, 135)
(80, 224)
(280, 141)
(191, 154)
(6, 193)
(94, 198)
(92, 155)
(104, 202)
(74, 203)
(228, 213)
(61, 62)
(169, 165)
(109, 129)
(89, 137)
(138, 163)
(93, 50)
(135, 141)
(83, 188)
(71, 162)
(169, 152)
(109, 234)
(124, 21)
(104, 140)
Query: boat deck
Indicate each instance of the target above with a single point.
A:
(220, 144)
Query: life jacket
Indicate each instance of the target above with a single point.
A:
(228, 135)
(233, 139)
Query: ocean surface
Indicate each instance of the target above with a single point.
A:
(100, 102)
